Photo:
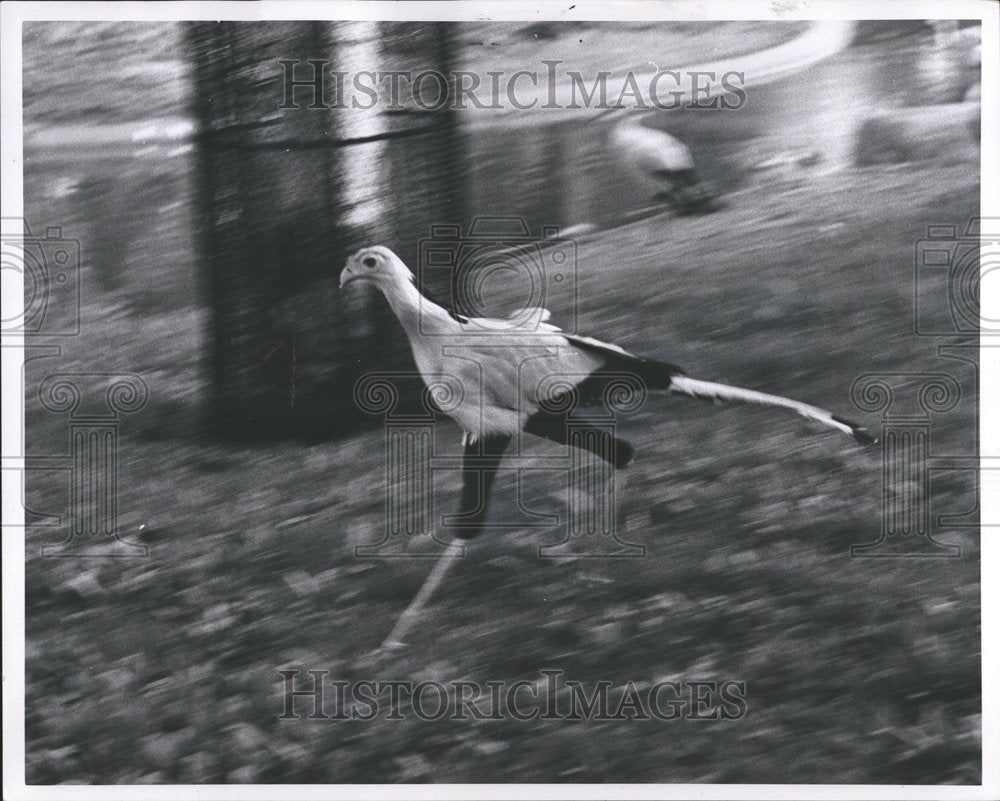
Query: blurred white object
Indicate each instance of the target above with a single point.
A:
(662, 163)
(577, 230)
(650, 150)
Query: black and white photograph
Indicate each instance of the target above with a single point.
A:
(501, 400)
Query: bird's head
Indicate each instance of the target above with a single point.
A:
(377, 265)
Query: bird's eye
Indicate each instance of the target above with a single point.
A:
(369, 262)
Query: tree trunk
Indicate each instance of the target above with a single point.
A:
(286, 194)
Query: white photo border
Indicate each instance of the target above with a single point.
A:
(14, 14)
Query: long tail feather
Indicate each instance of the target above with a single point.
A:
(707, 390)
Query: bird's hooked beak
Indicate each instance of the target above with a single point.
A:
(348, 274)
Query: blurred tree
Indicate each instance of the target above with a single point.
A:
(426, 151)
(289, 186)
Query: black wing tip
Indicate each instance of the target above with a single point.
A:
(862, 436)
(655, 373)
(860, 433)
(623, 453)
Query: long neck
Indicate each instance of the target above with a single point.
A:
(408, 305)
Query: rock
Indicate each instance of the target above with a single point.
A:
(164, 748)
(605, 634)
(413, 766)
(118, 678)
(247, 738)
(244, 775)
(490, 747)
(196, 768)
(215, 619)
(301, 583)
(61, 754)
(292, 754)
(84, 585)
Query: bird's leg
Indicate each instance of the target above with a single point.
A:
(394, 639)
(554, 427)
(480, 461)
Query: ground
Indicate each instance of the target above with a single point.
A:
(165, 669)
(856, 670)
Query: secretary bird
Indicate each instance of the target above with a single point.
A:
(503, 391)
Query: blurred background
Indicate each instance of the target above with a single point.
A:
(213, 227)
